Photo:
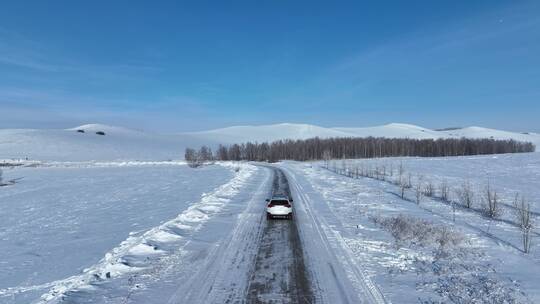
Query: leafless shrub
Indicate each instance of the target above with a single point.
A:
(523, 216)
(491, 202)
(429, 190)
(418, 189)
(1, 176)
(465, 194)
(369, 172)
(445, 190)
(377, 173)
(401, 171)
(192, 158)
(327, 156)
(402, 188)
(409, 180)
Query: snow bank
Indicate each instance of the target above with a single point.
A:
(137, 253)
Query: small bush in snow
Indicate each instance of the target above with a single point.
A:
(491, 202)
(445, 190)
(408, 230)
(429, 191)
(401, 171)
(452, 269)
(327, 156)
(523, 216)
(409, 181)
(402, 188)
(418, 189)
(465, 194)
(192, 158)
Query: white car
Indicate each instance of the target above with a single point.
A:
(279, 207)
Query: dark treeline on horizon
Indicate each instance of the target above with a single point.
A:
(353, 147)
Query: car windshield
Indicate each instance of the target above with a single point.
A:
(279, 202)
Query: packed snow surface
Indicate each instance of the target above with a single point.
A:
(61, 221)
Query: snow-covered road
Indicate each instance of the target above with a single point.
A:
(280, 274)
(337, 277)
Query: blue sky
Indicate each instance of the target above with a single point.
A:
(179, 66)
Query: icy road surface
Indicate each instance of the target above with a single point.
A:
(280, 273)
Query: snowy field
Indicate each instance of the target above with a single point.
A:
(59, 220)
(426, 251)
(157, 231)
(509, 174)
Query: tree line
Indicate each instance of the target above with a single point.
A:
(465, 195)
(355, 147)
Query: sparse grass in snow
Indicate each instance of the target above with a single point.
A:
(408, 231)
(453, 268)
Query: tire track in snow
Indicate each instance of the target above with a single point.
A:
(341, 269)
(224, 275)
(280, 274)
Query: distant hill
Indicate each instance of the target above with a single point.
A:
(120, 143)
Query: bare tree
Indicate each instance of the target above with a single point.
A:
(445, 190)
(429, 190)
(222, 153)
(370, 147)
(409, 180)
(401, 171)
(192, 158)
(402, 188)
(327, 156)
(523, 216)
(204, 155)
(491, 202)
(465, 194)
(418, 188)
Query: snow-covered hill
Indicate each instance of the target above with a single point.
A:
(70, 145)
(479, 132)
(120, 143)
(239, 134)
(262, 133)
(395, 130)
